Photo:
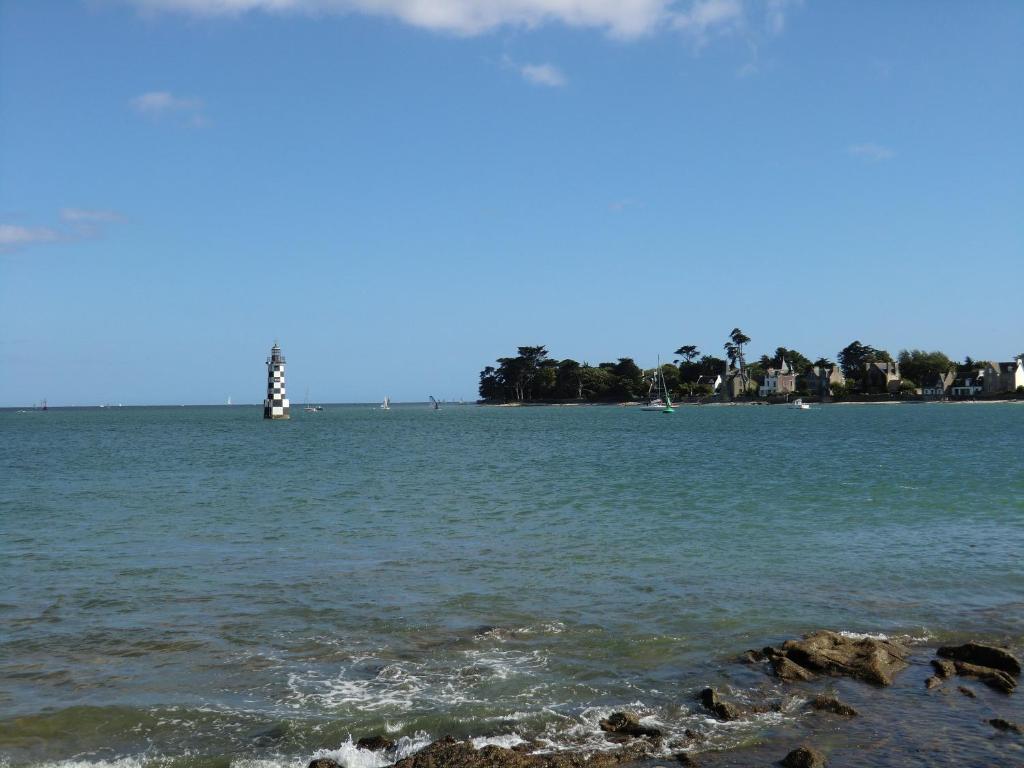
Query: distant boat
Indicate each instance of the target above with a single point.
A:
(800, 405)
(386, 404)
(311, 408)
(229, 399)
(657, 396)
(434, 404)
(45, 406)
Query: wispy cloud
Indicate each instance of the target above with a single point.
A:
(871, 151)
(78, 224)
(81, 215)
(160, 104)
(13, 236)
(619, 18)
(618, 206)
(544, 74)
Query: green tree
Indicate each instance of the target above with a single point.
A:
(855, 356)
(922, 367)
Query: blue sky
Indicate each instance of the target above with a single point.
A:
(402, 190)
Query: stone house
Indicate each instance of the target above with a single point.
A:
(968, 384)
(938, 386)
(1000, 378)
(879, 378)
(778, 381)
(819, 380)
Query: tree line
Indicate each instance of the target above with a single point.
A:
(532, 375)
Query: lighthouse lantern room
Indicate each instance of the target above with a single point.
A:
(276, 404)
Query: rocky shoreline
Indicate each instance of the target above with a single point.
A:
(808, 668)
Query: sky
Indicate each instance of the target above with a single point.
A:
(401, 191)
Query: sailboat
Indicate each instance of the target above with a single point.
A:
(434, 404)
(386, 404)
(229, 399)
(311, 408)
(660, 400)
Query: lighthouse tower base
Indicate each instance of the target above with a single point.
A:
(276, 404)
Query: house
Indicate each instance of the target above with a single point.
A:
(778, 381)
(879, 378)
(715, 382)
(999, 378)
(938, 386)
(735, 384)
(820, 379)
(968, 384)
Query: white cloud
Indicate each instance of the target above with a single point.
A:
(543, 74)
(79, 224)
(159, 104)
(83, 216)
(620, 18)
(870, 151)
(15, 236)
(706, 16)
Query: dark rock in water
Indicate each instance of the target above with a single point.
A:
(685, 758)
(323, 762)
(787, 669)
(804, 757)
(967, 691)
(824, 702)
(271, 736)
(628, 724)
(869, 659)
(449, 753)
(934, 682)
(752, 657)
(994, 678)
(693, 735)
(375, 743)
(983, 656)
(1005, 725)
(944, 668)
(723, 710)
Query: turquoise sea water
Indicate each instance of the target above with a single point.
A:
(188, 584)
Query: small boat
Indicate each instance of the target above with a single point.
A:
(660, 400)
(311, 408)
(800, 405)
(386, 404)
(229, 399)
(434, 404)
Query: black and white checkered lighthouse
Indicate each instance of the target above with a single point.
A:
(276, 404)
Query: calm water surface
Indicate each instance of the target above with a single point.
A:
(195, 584)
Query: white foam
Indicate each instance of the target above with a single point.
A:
(507, 740)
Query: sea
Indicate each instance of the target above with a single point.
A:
(196, 587)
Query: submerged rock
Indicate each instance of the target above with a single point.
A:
(375, 743)
(967, 692)
(804, 757)
(450, 753)
(1005, 725)
(994, 678)
(628, 724)
(323, 762)
(752, 657)
(723, 710)
(983, 656)
(933, 682)
(943, 668)
(826, 703)
(868, 659)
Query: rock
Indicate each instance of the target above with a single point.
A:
(868, 659)
(804, 757)
(824, 702)
(944, 668)
(375, 743)
(685, 758)
(752, 657)
(787, 669)
(723, 710)
(323, 762)
(628, 724)
(983, 656)
(933, 682)
(993, 678)
(449, 753)
(1005, 725)
(967, 691)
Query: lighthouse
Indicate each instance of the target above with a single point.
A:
(276, 404)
